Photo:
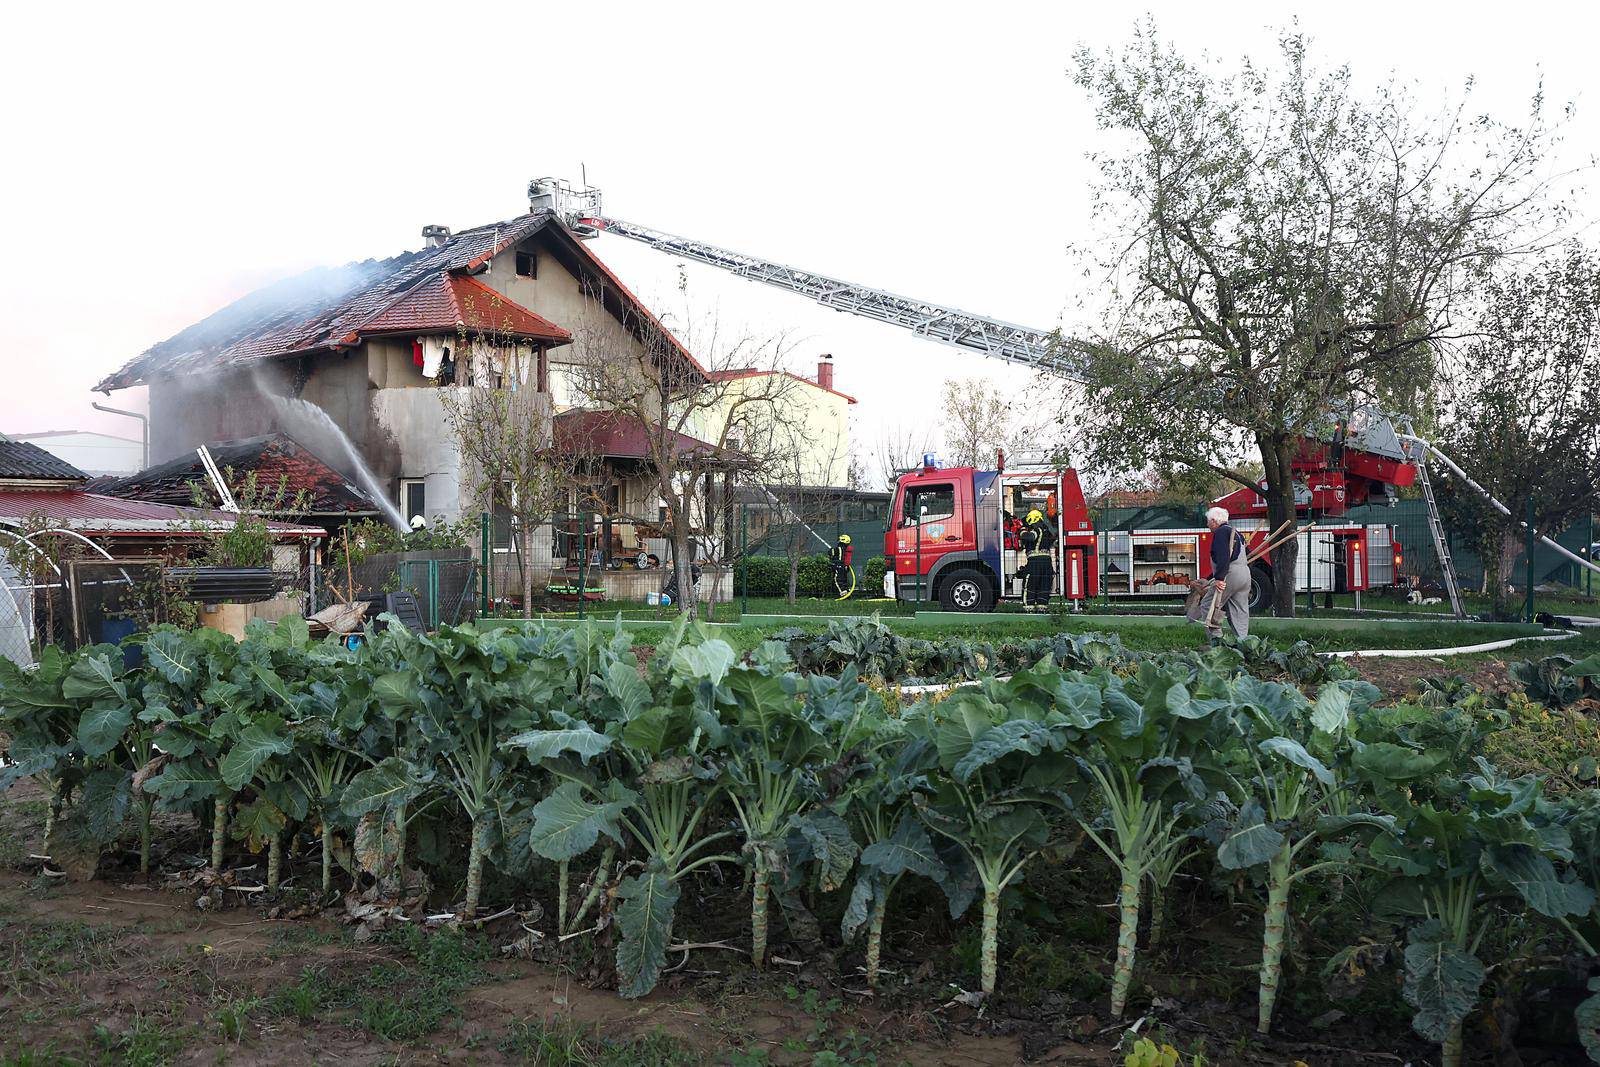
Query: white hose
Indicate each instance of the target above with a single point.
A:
(1459, 650)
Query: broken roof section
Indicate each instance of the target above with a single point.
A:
(272, 458)
(330, 308)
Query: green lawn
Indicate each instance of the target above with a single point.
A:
(1475, 604)
(1151, 634)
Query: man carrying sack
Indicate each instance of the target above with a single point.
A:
(1230, 577)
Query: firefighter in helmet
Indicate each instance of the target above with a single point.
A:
(844, 577)
(1038, 543)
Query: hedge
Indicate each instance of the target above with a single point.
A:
(769, 576)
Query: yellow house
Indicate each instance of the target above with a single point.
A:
(806, 430)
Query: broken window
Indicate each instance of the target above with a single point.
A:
(527, 265)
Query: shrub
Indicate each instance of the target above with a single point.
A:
(768, 575)
(871, 583)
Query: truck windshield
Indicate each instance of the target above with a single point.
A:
(932, 503)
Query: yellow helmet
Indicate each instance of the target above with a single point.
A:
(844, 539)
(1035, 517)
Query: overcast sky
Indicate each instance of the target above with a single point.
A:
(164, 159)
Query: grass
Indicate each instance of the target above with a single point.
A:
(399, 999)
(1573, 604)
(149, 1042)
(564, 1043)
(1165, 635)
(50, 954)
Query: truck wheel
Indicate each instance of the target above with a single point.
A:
(1261, 590)
(966, 590)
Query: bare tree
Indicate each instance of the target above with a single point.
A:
(698, 418)
(509, 459)
(795, 461)
(901, 448)
(977, 421)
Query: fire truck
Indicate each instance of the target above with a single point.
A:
(951, 538)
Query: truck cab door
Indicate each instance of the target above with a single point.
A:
(931, 516)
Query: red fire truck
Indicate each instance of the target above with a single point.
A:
(950, 538)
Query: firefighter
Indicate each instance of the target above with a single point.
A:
(1038, 541)
(843, 575)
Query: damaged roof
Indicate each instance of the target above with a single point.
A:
(328, 308)
(272, 458)
(23, 459)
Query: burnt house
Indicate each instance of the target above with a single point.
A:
(356, 360)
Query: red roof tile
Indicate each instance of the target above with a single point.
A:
(451, 302)
(614, 435)
(751, 372)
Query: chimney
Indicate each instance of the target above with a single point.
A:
(435, 235)
(825, 371)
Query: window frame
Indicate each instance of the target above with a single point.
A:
(405, 504)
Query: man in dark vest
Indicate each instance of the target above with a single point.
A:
(1230, 570)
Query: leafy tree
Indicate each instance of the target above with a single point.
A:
(1523, 418)
(1279, 247)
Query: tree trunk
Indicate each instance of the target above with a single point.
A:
(1276, 460)
(1275, 920)
(990, 962)
(327, 856)
(526, 536)
(274, 862)
(875, 937)
(1505, 562)
(794, 574)
(480, 844)
(146, 803)
(561, 896)
(681, 559)
(758, 917)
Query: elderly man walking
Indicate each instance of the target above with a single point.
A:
(1230, 570)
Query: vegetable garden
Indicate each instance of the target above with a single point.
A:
(487, 768)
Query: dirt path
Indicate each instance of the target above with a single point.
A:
(112, 971)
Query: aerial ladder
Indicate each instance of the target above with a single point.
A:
(579, 207)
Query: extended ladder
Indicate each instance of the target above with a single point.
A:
(1441, 544)
(1441, 540)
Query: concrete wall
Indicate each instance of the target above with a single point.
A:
(422, 445)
